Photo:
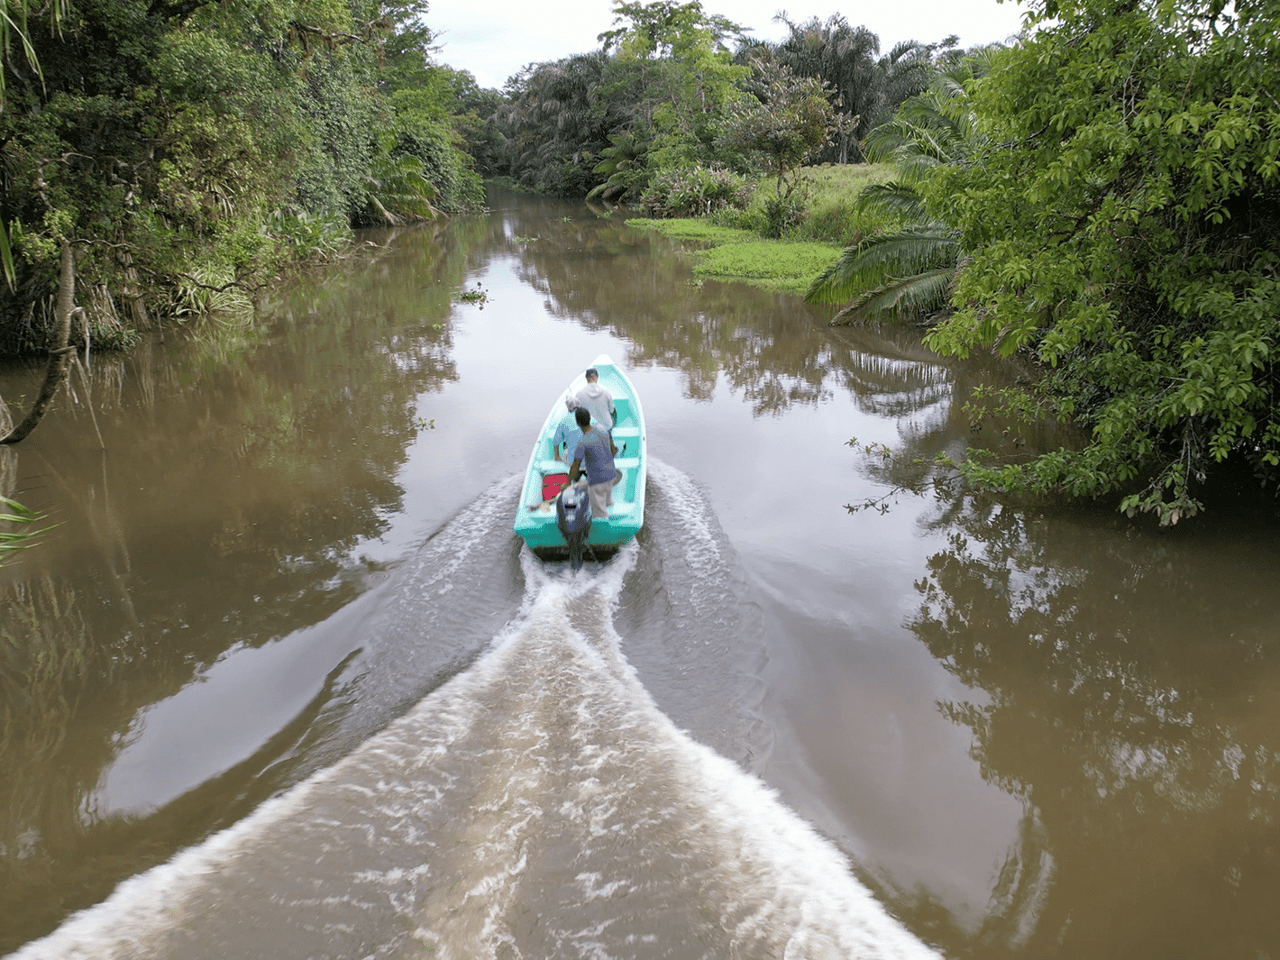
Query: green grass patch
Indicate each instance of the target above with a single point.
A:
(692, 229)
(729, 253)
(773, 264)
(833, 192)
(833, 184)
(735, 250)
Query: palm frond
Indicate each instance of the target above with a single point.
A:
(872, 262)
(893, 198)
(900, 297)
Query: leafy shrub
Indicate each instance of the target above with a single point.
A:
(446, 167)
(783, 214)
(695, 191)
(748, 218)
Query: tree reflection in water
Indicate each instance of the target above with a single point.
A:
(712, 330)
(228, 517)
(1141, 737)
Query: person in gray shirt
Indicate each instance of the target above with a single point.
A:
(596, 448)
(597, 400)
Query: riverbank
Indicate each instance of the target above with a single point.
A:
(732, 245)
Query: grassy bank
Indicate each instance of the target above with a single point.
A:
(730, 244)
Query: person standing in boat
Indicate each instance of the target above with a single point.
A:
(596, 449)
(598, 401)
(567, 434)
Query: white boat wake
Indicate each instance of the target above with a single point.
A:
(537, 805)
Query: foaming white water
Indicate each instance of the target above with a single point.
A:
(537, 805)
(702, 552)
(434, 567)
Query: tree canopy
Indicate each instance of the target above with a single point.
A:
(185, 149)
(653, 103)
(1123, 227)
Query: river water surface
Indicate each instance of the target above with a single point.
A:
(281, 682)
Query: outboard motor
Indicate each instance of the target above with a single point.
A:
(573, 517)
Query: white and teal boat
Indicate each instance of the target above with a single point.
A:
(536, 513)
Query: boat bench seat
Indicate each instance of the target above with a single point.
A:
(624, 464)
(551, 466)
(628, 435)
(629, 467)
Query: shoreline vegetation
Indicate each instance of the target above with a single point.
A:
(734, 245)
(188, 154)
(1105, 210)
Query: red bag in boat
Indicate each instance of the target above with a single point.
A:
(552, 484)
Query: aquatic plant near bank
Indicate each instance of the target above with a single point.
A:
(729, 253)
(11, 513)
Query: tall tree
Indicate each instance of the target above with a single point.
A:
(676, 58)
(786, 126)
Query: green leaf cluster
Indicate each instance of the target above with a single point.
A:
(190, 149)
(1122, 226)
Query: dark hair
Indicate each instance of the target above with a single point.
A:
(592, 372)
(583, 416)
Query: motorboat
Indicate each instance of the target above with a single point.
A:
(553, 516)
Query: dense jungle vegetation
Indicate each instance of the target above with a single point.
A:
(1099, 194)
(186, 150)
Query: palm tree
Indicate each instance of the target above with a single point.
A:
(866, 87)
(910, 271)
(845, 58)
(904, 72)
(623, 163)
(556, 123)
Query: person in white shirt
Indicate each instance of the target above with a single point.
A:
(597, 401)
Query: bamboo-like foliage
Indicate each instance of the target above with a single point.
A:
(16, 530)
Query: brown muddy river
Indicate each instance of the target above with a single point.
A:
(281, 681)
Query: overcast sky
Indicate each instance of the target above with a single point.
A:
(495, 38)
